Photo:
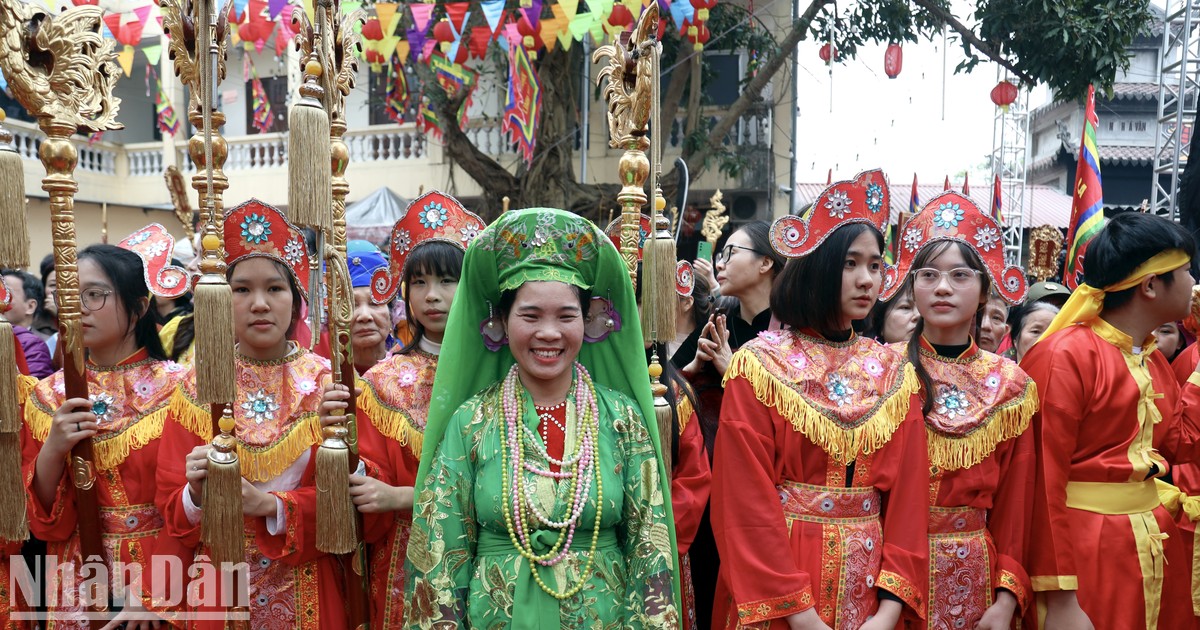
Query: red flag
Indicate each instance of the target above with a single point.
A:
(829, 178)
(947, 186)
(966, 186)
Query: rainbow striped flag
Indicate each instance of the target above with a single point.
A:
(915, 203)
(1087, 206)
(263, 117)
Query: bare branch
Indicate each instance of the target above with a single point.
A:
(969, 37)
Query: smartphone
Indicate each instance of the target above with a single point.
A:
(704, 250)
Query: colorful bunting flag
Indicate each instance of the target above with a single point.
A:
(523, 103)
(997, 204)
(1087, 206)
(262, 105)
(396, 99)
(168, 122)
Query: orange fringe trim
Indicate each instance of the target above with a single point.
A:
(841, 444)
(258, 463)
(110, 451)
(1007, 421)
(390, 422)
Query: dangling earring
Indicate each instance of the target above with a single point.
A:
(602, 320)
(492, 330)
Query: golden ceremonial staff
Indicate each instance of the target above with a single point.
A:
(63, 71)
(197, 31)
(632, 93)
(333, 44)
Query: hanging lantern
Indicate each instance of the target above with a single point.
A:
(442, 31)
(893, 60)
(827, 53)
(1004, 94)
(372, 30)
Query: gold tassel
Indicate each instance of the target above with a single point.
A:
(13, 525)
(10, 400)
(336, 528)
(658, 279)
(310, 188)
(222, 522)
(662, 412)
(216, 373)
(14, 238)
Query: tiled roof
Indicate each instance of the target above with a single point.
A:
(1118, 155)
(1136, 91)
(1043, 204)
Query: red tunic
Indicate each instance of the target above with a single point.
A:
(793, 530)
(981, 478)
(14, 600)
(1111, 419)
(394, 404)
(690, 486)
(130, 401)
(1187, 478)
(291, 583)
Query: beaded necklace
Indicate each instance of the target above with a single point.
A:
(579, 468)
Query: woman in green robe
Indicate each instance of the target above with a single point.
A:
(542, 501)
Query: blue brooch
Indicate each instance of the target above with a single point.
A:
(874, 198)
(102, 407)
(948, 215)
(260, 407)
(433, 215)
(256, 229)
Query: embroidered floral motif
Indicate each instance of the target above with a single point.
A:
(838, 204)
(139, 238)
(102, 407)
(156, 250)
(256, 229)
(293, 251)
(403, 241)
(433, 215)
(948, 215)
(1012, 284)
(951, 401)
(407, 375)
(771, 336)
(874, 197)
(306, 386)
(798, 360)
(839, 389)
(986, 238)
(143, 388)
(260, 407)
(792, 236)
(912, 239)
(992, 381)
(469, 233)
(873, 367)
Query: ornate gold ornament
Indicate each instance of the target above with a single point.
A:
(715, 219)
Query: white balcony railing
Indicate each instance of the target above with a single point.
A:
(269, 150)
(98, 157)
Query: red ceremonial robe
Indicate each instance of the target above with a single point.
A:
(981, 477)
(130, 401)
(14, 600)
(690, 485)
(1186, 477)
(393, 406)
(291, 584)
(819, 483)
(1110, 422)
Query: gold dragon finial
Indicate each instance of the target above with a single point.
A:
(628, 73)
(715, 219)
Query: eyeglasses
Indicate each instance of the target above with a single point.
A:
(960, 277)
(727, 251)
(94, 299)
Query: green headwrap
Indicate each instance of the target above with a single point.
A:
(540, 244)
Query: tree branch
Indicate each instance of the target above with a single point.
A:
(971, 38)
(750, 95)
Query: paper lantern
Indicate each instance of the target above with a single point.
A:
(1004, 94)
(827, 53)
(442, 31)
(372, 30)
(893, 60)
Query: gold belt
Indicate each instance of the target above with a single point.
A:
(1112, 498)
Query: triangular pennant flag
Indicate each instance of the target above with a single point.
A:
(581, 25)
(533, 12)
(560, 12)
(421, 14)
(493, 12)
(457, 12)
(275, 7)
(478, 43)
(386, 11)
(112, 21)
(564, 38)
(416, 41)
(427, 51)
(125, 58)
(239, 9)
(598, 29)
(682, 11)
(569, 7)
(153, 54)
(549, 32)
(403, 49)
(143, 13)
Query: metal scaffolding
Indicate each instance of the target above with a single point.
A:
(1179, 79)
(1010, 133)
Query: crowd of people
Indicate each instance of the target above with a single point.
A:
(930, 444)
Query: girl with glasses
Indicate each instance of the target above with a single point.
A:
(130, 382)
(976, 408)
(819, 501)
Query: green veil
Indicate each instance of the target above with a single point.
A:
(540, 244)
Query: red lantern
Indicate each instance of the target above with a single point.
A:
(372, 30)
(1004, 94)
(827, 53)
(621, 16)
(442, 32)
(893, 60)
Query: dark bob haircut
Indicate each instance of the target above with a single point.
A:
(127, 274)
(808, 294)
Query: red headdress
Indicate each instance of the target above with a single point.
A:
(685, 280)
(154, 245)
(644, 231)
(255, 229)
(952, 216)
(863, 200)
(434, 216)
